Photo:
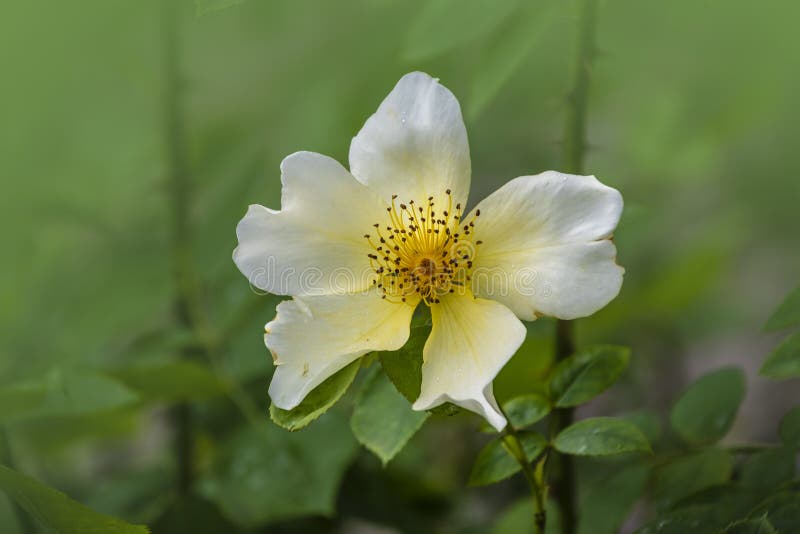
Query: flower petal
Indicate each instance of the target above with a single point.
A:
(545, 246)
(471, 340)
(311, 338)
(315, 244)
(415, 145)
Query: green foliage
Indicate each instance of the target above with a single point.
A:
(516, 519)
(784, 361)
(181, 380)
(203, 7)
(466, 20)
(318, 401)
(769, 468)
(689, 474)
(495, 462)
(404, 366)
(526, 410)
(64, 392)
(782, 509)
(265, 474)
(787, 314)
(585, 375)
(601, 436)
(383, 420)
(607, 501)
(55, 511)
(707, 409)
(506, 52)
(751, 526)
(790, 428)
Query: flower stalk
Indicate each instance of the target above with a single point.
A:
(535, 480)
(574, 146)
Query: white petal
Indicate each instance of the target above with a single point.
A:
(311, 338)
(545, 246)
(415, 145)
(471, 340)
(315, 244)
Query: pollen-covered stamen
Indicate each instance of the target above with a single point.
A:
(424, 252)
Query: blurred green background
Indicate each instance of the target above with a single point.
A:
(693, 116)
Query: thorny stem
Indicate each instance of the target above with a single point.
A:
(180, 194)
(564, 488)
(514, 446)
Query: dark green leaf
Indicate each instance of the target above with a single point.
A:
(769, 468)
(751, 526)
(601, 436)
(790, 428)
(707, 409)
(495, 462)
(783, 511)
(172, 381)
(691, 474)
(648, 422)
(404, 366)
(787, 314)
(526, 410)
(585, 375)
(784, 361)
(695, 520)
(58, 512)
(318, 401)
(266, 474)
(445, 24)
(607, 502)
(383, 420)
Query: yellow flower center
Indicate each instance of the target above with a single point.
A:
(422, 252)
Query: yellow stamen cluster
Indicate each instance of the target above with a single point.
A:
(422, 252)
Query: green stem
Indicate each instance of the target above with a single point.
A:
(564, 487)
(180, 196)
(514, 446)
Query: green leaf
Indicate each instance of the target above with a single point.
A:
(526, 410)
(516, 518)
(769, 468)
(264, 474)
(790, 428)
(383, 420)
(442, 25)
(784, 361)
(64, 392)
(404, 366)
(505, 54)
(495, 462)
(696, 520)
(783, 511)
(58, 512)
(583, 376)
(601, 436)
(606, 503)
(203, 7)
(707, 409)
(648, 422)
(180, 380)
(787, 314)
(318, 401)
(691, 474)
(751, 526)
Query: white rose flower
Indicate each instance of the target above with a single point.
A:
(358, 251)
